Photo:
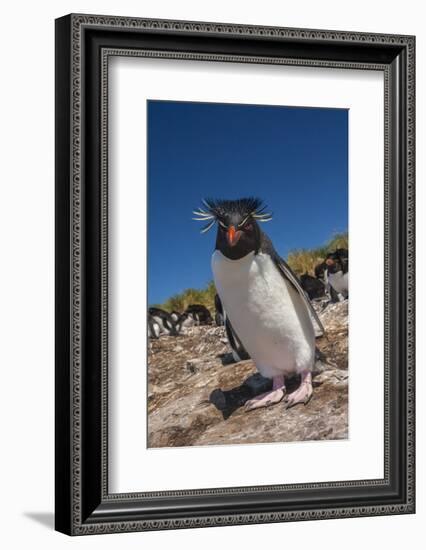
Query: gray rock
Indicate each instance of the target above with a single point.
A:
(198, 365)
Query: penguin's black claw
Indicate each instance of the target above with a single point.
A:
(307, 399)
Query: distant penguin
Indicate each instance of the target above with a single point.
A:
(164, 320)
(263, 299)
(314, 287)
(320, 271)
(322, 275)
(338, 271)
(175, 316)
(153, 328)
(186, 320)
(343, 254)
(200, 313)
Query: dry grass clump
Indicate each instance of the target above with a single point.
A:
(203, 296)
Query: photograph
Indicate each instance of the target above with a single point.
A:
(248, 274)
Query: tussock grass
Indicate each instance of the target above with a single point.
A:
(203, 296)
(301, 261)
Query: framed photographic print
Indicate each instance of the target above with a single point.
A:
(215, 363)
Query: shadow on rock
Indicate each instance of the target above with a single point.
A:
(226, 359)
(228, 401)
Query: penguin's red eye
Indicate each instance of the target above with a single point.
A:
(248, 226)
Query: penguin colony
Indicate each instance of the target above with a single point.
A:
(175, 323)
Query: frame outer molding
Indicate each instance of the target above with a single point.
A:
(71, 521)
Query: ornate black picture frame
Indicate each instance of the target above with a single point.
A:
(84, 44)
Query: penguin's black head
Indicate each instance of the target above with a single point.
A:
(238, 232)
(320, 270)
(335, 262)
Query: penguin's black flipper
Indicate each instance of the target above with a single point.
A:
(287, 273)
(239, 352)
(334, 295)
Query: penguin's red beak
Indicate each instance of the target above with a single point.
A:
(329, 261)
(233, 236)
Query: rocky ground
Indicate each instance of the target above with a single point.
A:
(196, 394)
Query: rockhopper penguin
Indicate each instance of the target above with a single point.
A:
(338, 271)
(262, 298)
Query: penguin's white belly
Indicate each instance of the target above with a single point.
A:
(339, 281)
(267, 313)
(188, 322)
(161, 327)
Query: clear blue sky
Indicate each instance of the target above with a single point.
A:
(294, 158)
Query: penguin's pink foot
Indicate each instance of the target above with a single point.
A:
(264, 400)
(303, 393)
(269, 398)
